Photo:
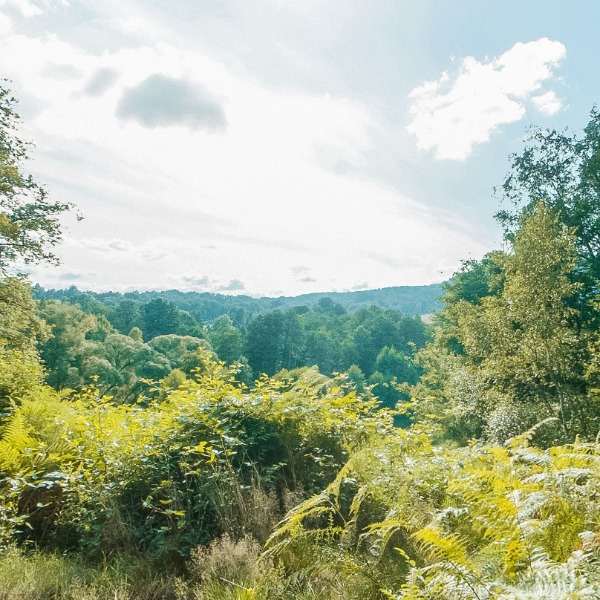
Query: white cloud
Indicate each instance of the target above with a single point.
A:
(201, 282)
(25, 7)
(235, 285)
(462, 109)
(5, 24)
(240, 208)
(104, 244)
(101, 81)
(548, 104)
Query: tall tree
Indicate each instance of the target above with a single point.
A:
(20, 330)
(274, 341)
(126, 315)
(370, 329)
(391, 368)
(29, 228)
(529, 339)
(29, 225)
(226, 339)
(563, 170)
(160, 318)
(523, 350)
(69, 347)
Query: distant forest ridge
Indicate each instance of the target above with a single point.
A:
(410, 300)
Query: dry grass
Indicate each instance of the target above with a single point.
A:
(45, 576)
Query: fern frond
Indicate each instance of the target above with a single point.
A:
(564, 581)
(442, 546)
(522, 440)
(294, 521)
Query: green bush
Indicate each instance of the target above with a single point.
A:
(162, 476)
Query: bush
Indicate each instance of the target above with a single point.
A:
(162, 477)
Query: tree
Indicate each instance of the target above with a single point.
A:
(226, 339)
(160, 318)
(29, 228)
(274, 341)
(328, 306)
(83, 346)
(187, 325)
(126, 315)
(20, 330)
(473, 282)
(20, 325)
(29, 225)
(392, 362)
(65, 352)
(136, 334)
(562, 170)
(523, 350)
(529, 338)
(357, 378)
(321, 350)
(180, 350)
(370, 329)
(391, 368)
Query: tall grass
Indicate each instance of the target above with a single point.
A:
(225, 570)
(42, 576)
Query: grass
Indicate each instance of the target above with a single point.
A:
(42, 576)
(225, 570)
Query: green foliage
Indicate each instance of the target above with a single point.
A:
(391, 369)
(126, 316)
(84, 346)
(29, 225)
(163, 476)
(410, 300)
(226, 340)
(562, 170)
(180, 350)
(326, 336)
(20, 376)
(370, 330)
(159, 317)
(136, 334)
(426, 522)
(274, 342)
(507, 359)
(20, 328)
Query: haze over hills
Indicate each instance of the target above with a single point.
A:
(410, 300)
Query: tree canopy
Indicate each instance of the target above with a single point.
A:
(561, 169)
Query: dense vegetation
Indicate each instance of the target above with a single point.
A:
(205, 306)
(375, 345)
(145, 453)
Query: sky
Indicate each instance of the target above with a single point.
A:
(282, 147)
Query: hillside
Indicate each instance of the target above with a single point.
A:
(410, 300)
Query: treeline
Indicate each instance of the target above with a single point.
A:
(409, 300)
(132, 344)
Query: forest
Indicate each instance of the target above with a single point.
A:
(309, 450)
(207, 306)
